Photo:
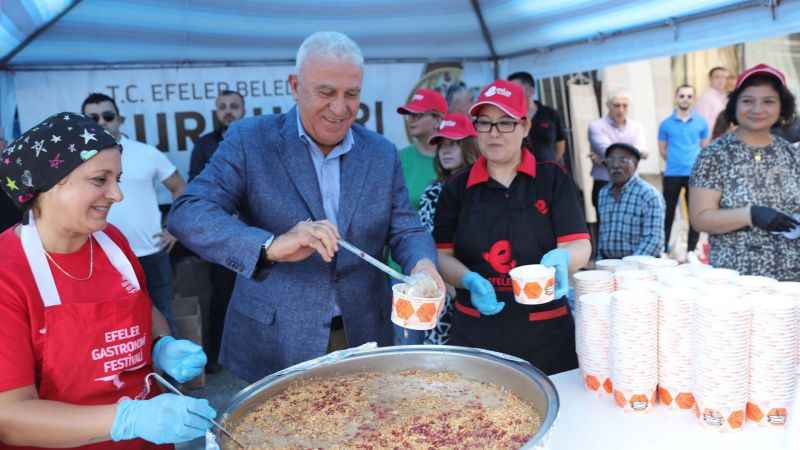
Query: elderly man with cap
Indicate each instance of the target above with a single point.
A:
(614, 127)
(300, 181)
(423, 113)
(631, 210)
(79, 333)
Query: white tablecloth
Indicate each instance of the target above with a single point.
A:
(586, 422)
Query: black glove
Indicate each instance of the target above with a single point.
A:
(771, 220)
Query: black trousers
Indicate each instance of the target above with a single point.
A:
(222, 281)
(672, 191)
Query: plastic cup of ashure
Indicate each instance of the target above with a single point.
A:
(534, 284)
(413, 312)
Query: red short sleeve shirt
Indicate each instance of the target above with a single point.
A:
(21, 308)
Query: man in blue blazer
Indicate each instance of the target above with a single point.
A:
(273, 201)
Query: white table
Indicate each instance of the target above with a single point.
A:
(586, 422)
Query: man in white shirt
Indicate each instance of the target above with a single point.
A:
(137, 215)
(715, 98)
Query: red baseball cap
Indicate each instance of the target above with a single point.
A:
(424, 100)
(760, 69)
(508, 96)
(454, 126)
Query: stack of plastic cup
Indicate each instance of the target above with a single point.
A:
(655, 264)
(679, 278)
(773, 359)
(592, 316)
(593, 282)
(757, 285)
(789, 288)
(721, 350)
(717, 276)
(638, 260)
(624, 277)
(612, 265)
(633, 349)
(675, 368)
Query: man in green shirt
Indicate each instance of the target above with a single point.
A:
(423, 113)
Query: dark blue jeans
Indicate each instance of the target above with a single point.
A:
(158, 271)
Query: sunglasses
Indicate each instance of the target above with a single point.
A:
(107, 116)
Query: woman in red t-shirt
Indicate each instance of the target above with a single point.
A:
(78, 328)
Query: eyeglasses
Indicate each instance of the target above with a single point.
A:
(503, 126)
(618, 160)
(107, 116)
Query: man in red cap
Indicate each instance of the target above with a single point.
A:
(423, 114)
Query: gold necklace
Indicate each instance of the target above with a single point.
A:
(91, 263)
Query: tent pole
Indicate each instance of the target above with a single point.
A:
(22, 45)
(487, 37)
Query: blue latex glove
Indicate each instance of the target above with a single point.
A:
(164, 419)
(482, 294)
(559, 259)
(183, 360)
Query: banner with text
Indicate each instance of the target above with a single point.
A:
(172, 108)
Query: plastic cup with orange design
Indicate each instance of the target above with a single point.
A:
(416, 312)
(534, 284)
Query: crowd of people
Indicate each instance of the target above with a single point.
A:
(85, 280)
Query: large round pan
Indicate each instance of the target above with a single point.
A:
(516, 375)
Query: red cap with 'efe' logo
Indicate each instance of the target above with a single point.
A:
(454, 126)
(508, 96)
(423, 101)
(760, 69)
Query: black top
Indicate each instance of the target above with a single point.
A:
(203, 149)
(493, 229)
(546, 129)
(485, 222)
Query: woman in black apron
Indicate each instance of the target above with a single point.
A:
(507, 211)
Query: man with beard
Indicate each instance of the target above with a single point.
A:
(631, 210)
(680, 137)
(229, 107)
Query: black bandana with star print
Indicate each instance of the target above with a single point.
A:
(48, 152)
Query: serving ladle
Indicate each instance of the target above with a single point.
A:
(175, 390)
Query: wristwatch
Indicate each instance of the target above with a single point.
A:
(263, 261)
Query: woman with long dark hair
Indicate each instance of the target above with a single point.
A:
(745, 186)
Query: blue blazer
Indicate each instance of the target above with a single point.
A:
(260, 183)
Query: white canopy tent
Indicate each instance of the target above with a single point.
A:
(544, 37)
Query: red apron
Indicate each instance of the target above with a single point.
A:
(94, 353)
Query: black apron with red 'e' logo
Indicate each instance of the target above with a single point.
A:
(499, 229)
